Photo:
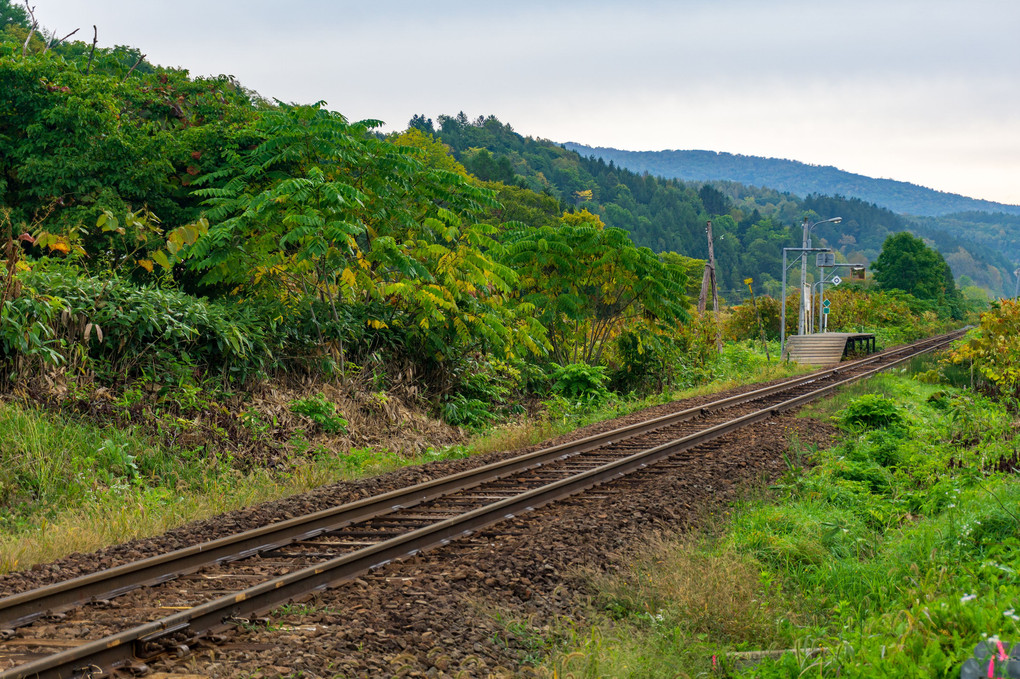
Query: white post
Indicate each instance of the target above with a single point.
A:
(801, 325)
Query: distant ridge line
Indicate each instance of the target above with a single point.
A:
(794, 177)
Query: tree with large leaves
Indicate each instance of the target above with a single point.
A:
(324, 214)
(589, 282)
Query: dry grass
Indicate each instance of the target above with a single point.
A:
(118, 517)
(393, 420)
(701, 588)
(677, 605)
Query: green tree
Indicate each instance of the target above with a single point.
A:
(326, 215)
(587, 283)
(907, 264)
(76, 146)
(993, 347)
(12, 15)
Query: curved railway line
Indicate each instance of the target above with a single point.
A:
(114, 621)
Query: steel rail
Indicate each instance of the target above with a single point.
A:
(22, 608)
(214, 615)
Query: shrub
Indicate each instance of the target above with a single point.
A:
(645, 362)
(993, 348)
(461, 411)
(580, 382)
(742, 322)
(321, 411)
(133, 328)
(870, 411)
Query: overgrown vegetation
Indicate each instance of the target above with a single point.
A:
(228, 290)
(68, 484)
(991, 350)
(894, 552)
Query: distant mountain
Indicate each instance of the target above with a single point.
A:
(797, 178)
(538, 179)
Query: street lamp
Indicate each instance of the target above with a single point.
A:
(801, 320)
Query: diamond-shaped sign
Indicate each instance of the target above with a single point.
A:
(826, 304)
(836, 280)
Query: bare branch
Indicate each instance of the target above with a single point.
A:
(95, 39)
(50, 43)
(133, 68)
(31, 29)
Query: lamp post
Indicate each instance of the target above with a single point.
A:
(782, 304)
(801, 316)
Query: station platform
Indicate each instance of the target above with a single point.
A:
(828, 348)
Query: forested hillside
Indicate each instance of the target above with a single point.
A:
(751, 224)
(795, 177)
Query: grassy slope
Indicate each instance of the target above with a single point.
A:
(69, 485)
(896, 551)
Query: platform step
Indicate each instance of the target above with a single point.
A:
(823, 350)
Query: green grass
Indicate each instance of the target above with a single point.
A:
(896, 550)
(69, 485)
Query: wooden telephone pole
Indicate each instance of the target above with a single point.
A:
(709, 280)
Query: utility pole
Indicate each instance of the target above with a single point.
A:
(708, 279)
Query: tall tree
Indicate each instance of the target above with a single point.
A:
(587, 283)
(12, 15)
(907, 264)
(326, 215)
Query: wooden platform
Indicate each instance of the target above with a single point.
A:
(828, 348)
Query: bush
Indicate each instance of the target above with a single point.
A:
(580, 382)
(645, 362)
(742, 323)
(461, 411)
(321, 411)
(870, 411)
(131, 328)
(993, 350)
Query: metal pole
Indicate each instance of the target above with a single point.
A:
(821, 297)
(801, 325)
(782, 312)
(1016, 288)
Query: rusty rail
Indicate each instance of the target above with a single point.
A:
(181, 629)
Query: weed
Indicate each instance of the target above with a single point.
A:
(472, 413)
(871, 411)
(322, 412)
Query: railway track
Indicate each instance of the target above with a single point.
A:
(116, 620)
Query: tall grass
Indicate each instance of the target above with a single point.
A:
(71, 486)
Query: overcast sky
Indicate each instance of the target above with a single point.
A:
(925, 91)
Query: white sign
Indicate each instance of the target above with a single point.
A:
(836, 280)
